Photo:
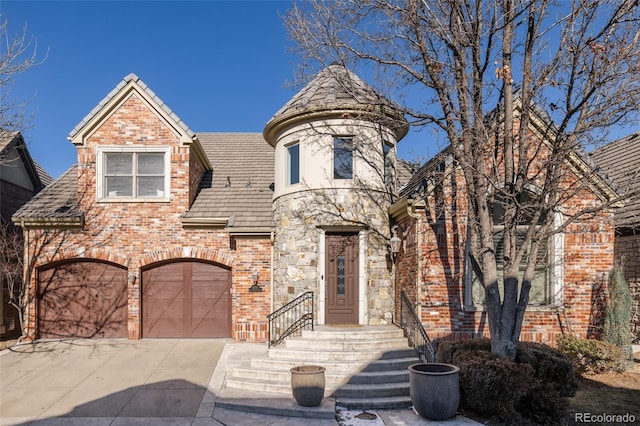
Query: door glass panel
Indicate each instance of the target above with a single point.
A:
(340, 265)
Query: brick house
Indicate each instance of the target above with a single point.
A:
(434, 269)
(620, 160)
(20, 179)
(162, 232)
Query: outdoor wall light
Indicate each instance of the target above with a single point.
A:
(395, 242)
(254, 277)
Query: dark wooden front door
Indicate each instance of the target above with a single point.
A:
(342, 279)
(186, 299)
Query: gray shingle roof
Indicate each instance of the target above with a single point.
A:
(126, 80)
(242, 157)
(57, 202)
(239, 185)
(620, 160)
(334, 91)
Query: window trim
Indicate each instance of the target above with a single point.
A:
(554, 272)
(101, 153)
(288, 179)
(334, 164)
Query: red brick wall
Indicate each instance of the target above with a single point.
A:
(439, 285)
(138, 234)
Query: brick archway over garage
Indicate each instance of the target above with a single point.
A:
(82, 298)
(186, 298)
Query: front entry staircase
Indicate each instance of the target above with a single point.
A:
(366, 366)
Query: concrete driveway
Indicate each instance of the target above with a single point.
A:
(108, 381)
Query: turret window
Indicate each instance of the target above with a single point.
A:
(293, 164)
(342, 158)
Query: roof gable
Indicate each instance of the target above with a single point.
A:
(130, 85)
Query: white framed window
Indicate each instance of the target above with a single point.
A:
(293, 164)
(389, 159)
(133, 173)
(547, 283)
(343, 158)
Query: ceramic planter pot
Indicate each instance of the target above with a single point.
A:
(435, 390)
(307, 384)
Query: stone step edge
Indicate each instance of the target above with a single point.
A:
(280, 407)
(390, 402)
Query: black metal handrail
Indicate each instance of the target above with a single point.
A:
(414, 330)
(291, 319)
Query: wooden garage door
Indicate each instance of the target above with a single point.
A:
(82, 299)
(186, 299)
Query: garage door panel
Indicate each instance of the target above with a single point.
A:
(186, 299)
(82, 299)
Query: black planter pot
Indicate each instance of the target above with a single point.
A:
(307, 384)
(435, 390)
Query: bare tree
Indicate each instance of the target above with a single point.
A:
(478, 72)
(18, 54)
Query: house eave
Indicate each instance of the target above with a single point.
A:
(204, 222)
(391, 118)
(56, 222)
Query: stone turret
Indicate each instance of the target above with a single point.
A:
(334, 173)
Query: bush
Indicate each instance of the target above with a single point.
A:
(592, 356)
(530, 389)
(550, 366)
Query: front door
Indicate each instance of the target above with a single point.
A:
(342, 279)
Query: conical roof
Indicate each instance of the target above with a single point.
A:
(336, 92)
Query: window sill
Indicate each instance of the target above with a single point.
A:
(133, 200)
(530, 308)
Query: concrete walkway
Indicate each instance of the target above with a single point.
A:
(171, 382)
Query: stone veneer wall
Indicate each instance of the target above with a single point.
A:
(299, 218)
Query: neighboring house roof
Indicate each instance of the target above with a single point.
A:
(57, 204)
(14, 140)
(240, 186)
(336, 92)
(620, 160)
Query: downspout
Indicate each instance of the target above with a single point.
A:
(26, 280)
(418, 218)
(272, 254)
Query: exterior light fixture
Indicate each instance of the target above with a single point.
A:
(254, 277)
(395, 242)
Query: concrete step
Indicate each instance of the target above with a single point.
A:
(346, 368)
(251, 376)
(346, 344)
(370, 391)
(366, 367)
(375, 403)
(352, 333)
(277, 405)
(314, 356)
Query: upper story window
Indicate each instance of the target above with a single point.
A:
(342, 158)
(129, 173)
(293, 164)
(389, 165)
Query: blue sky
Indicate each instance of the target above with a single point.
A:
(221, 66)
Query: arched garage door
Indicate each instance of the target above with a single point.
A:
(186, 299)
(82, 299)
